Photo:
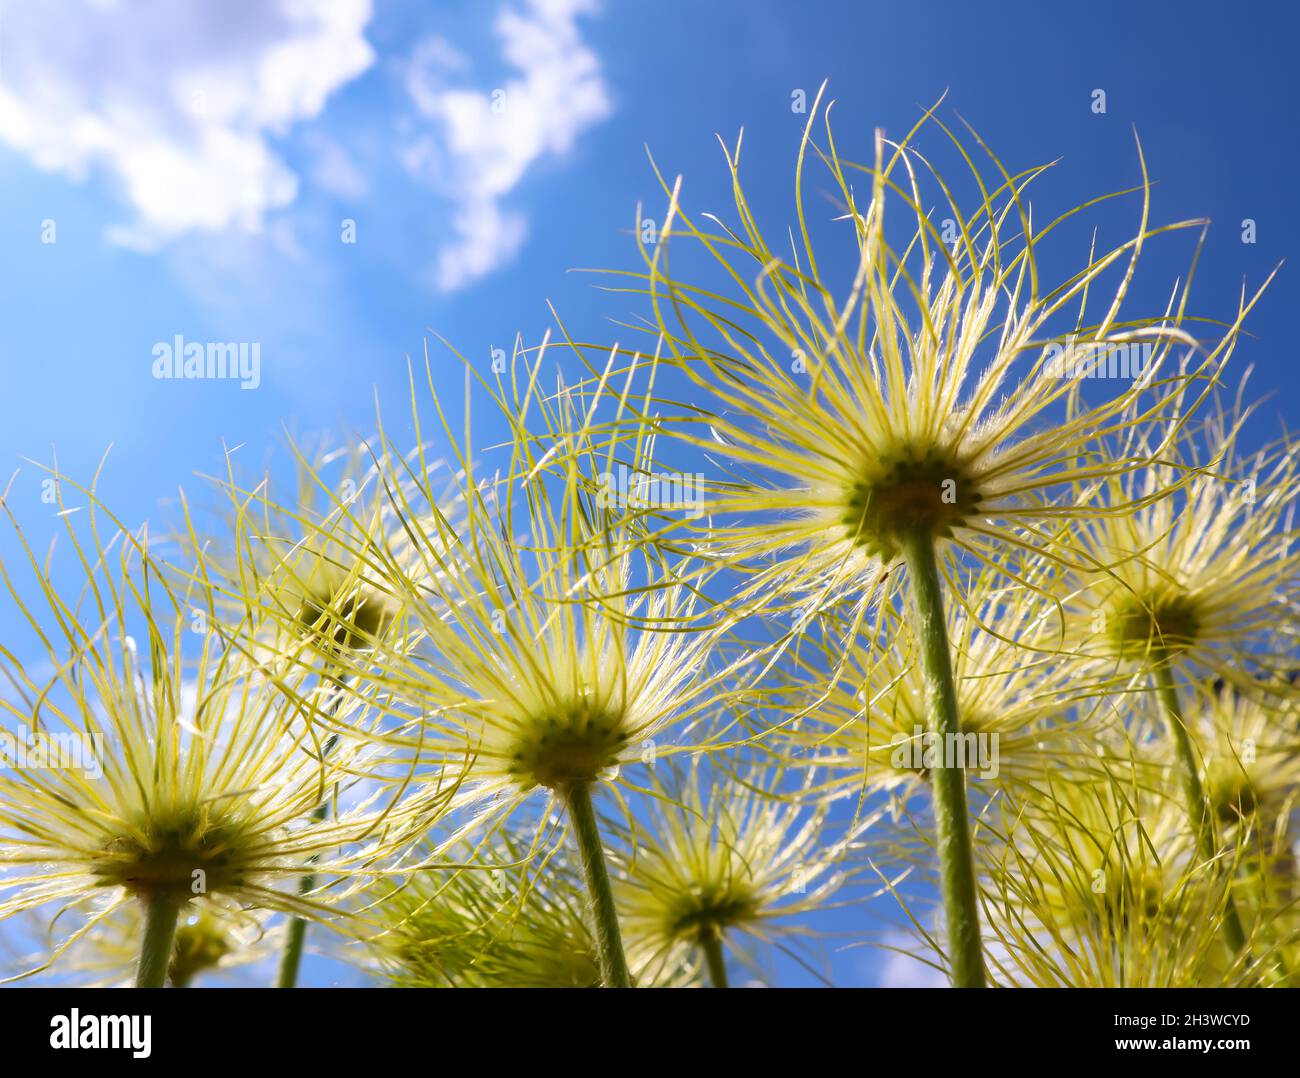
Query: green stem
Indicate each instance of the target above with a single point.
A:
(952, 827)
(711, 944)
(1276, 958)
(161, 912)
(1198, 808)
(609, 940)
(293, 947)
(297, 937)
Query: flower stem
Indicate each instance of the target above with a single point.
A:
(609, 940)
(711, 944)
(297, 936)
(1198, 809)
(161, 912)
(952, 827)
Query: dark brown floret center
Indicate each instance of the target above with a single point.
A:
(709, 912)
(569, 746)
(1170, 624)
(183, 855)
(344, 621)
(926, 493)
(198, 947)
(1233, 795)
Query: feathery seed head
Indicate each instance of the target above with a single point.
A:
(1251, 747)
(555, 642)
(311, 569)
(917, 492)
(201, 773)
(340, 613)
(724, 858)
(1199, 576)
(854, 705)
(1097, 884)
(165, 847)
(520, 924)
(936, 395)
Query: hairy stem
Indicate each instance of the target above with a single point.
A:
(952, 827)
(711, 944)
(609, 940)
(161, 912)
(1198, 808)
(297, 935)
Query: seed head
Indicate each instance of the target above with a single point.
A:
(935, 394)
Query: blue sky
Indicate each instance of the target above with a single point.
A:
(196, 164)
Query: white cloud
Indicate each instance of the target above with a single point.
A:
(175, 99)
(899, 969)
(486, 139)
(333, 170)
(486, 237)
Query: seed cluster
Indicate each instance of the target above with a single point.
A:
(568, 746)
(176, 853)
(1144, 625)
(925, 492)
(711, 909)
(347, 621)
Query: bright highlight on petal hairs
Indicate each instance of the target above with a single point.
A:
(938, 600)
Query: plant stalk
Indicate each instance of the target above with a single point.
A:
(161, 912)
(1198, 808)
(609, 940)
(297, 935)
(952, 826)
(711, 944)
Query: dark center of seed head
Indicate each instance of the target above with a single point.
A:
(1142, 626)
(926, 493)
(1232, 794)
(182, 854)
(710, 910)
(349, 621)
(569, 746)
